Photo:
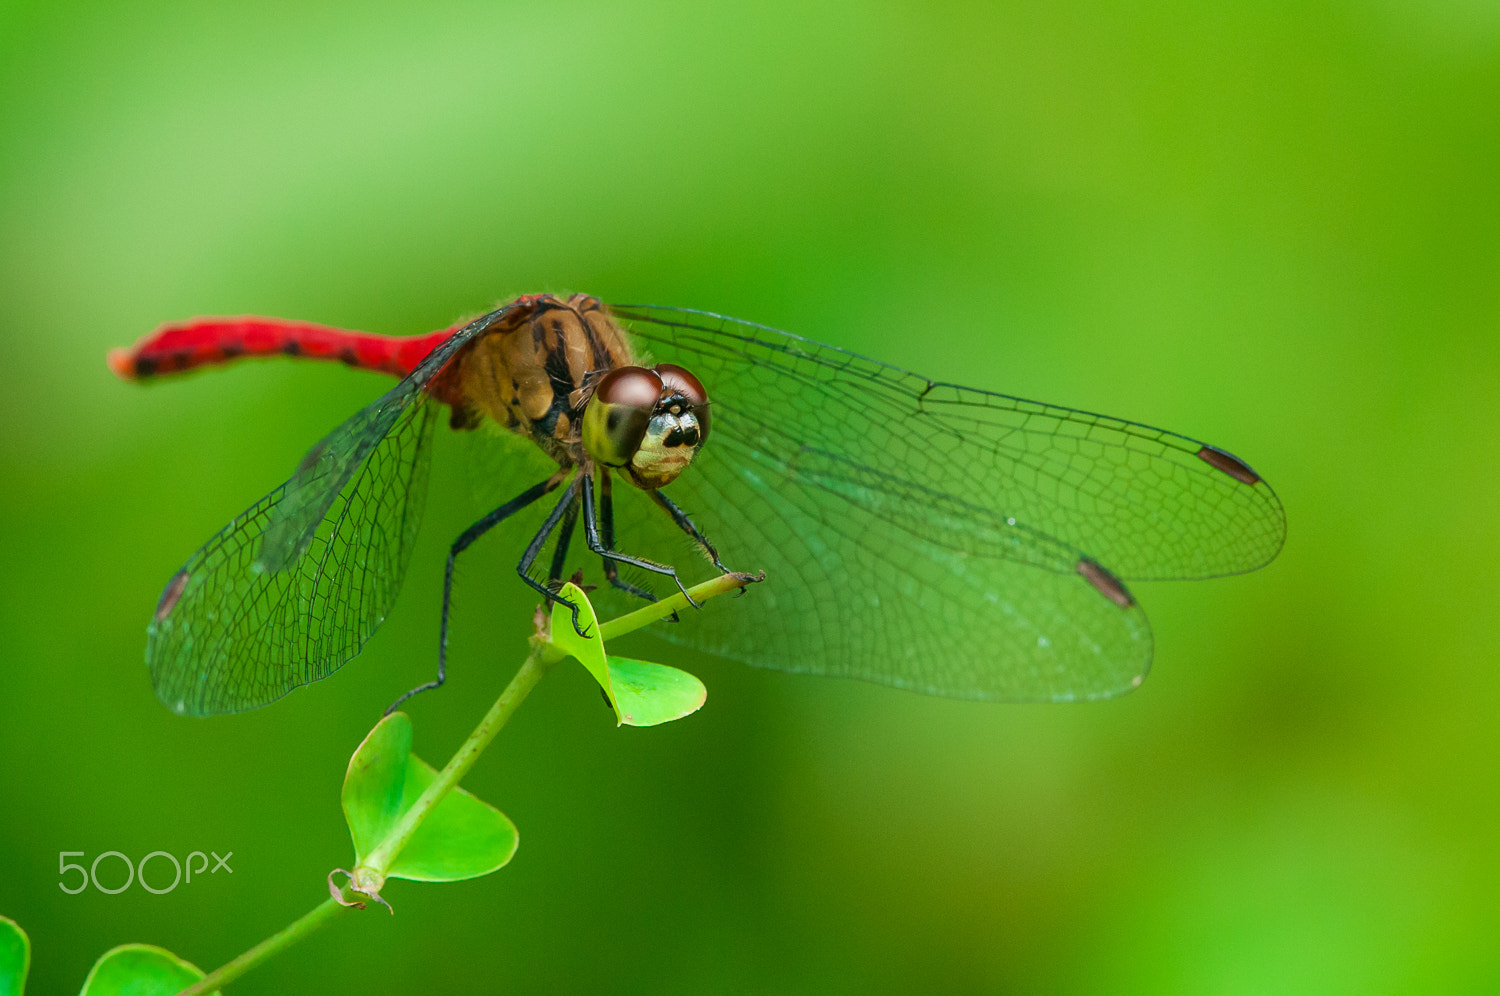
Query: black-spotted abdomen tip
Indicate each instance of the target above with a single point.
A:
(1105, 583)
(1229, 464)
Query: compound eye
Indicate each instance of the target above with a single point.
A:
(676, 379)
(636, 387)
(619, 413)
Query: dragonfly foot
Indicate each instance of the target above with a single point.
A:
(578, 627)
(685, 594)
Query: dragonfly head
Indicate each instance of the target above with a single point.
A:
(649, 424)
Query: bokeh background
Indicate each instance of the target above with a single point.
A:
(1273, 226)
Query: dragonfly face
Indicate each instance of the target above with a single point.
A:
(646, 423)
(917, 533)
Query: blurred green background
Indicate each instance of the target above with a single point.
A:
(1272, 226)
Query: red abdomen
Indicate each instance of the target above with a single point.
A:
(203, 341)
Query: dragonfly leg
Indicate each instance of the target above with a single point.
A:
(534, 549)
(686, 525)
(560, 551)
(465, 539)
(591, 535)
(607, 537)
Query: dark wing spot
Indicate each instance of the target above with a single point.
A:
(1229, 464)
(170, 596)
(349, 356)
(292, 347)
(1109, 586)
(145, 366)
(313, 456)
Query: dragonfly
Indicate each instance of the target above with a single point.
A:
(920, 534)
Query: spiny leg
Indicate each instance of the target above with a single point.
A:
(560, 551)
(607, 537)
(465, 539)
(686, 525)
(591, 535)
(534, 549)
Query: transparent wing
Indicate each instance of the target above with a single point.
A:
(926, 535)
(1138, 499)
(294, 586)
(259, 610)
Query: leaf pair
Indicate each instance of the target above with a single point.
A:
(641, 693)
(462, 837)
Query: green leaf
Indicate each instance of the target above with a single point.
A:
(15, 957)
(139, 970)
(648, 694)
(642, 693)
(463, 837)
(374, 783)
(589, 650)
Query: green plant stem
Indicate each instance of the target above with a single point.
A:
(531, 672)
(275, 944)
(630, 621)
